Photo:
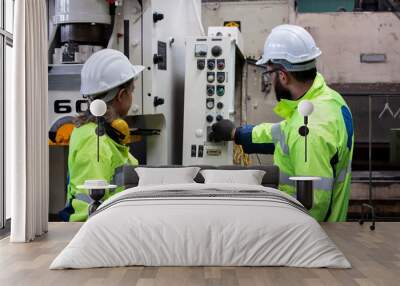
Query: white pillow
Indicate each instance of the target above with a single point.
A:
(166, 176)
(248, 177)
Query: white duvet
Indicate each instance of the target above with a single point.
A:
(203, 231)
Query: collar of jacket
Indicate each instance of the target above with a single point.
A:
(285, 108)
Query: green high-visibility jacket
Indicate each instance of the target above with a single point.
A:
(329, 142)
(83, 165)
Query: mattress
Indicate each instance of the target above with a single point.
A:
(201, 225)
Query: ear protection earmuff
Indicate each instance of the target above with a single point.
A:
(118, 130)
(121, 127)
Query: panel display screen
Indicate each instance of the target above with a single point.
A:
(200, 50)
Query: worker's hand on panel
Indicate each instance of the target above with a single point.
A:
(222, 131)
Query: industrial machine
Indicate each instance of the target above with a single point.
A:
(77, 29)
(154, 35)
(213, 89)
(150, 33)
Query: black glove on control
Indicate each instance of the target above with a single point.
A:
(222, 130)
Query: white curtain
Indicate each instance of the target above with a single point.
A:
(26, 123)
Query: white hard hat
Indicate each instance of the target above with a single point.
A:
(290, 45)
(106, 70)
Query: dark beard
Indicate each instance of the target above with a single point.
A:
(281, 92)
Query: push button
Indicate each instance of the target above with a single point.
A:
(220, 64)
(193, 151)
(211, 64)
(210, 90)
(210, 77)
(221, 77)
(210, 103)
(220, 90)
(201, 64)
(216, 51)
(200, 151)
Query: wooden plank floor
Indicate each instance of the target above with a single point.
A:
(375, 257)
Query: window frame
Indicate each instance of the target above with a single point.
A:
(6, 39)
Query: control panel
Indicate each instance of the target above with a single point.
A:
(211, 67)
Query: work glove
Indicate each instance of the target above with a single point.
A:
(222, 131)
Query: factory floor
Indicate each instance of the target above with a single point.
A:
(374, 255)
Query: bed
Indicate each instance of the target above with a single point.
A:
(198, 224)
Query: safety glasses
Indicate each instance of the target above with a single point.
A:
(267, 75)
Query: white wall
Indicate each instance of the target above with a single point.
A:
(257, 19)
(342, 37)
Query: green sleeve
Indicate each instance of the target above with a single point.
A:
(262, 133)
